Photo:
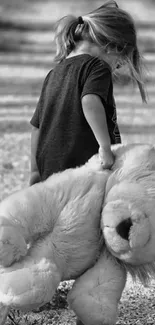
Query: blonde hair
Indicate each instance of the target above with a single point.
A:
(109, 27)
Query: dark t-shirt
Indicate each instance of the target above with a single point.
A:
(66, 139)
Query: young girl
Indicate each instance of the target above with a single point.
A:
(76, 114)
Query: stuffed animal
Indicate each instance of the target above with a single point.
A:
(86, 224)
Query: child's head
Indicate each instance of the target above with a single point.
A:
(108, 27)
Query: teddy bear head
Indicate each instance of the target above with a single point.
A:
(128, 215)
(129, 224)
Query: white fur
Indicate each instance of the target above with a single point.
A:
(52, 232)
(60, 227)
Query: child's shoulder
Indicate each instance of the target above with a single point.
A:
(97, 65)
(84, 58)
(88, 62)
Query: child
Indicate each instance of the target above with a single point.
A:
(76, 114)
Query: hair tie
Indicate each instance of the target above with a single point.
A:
(80, 20)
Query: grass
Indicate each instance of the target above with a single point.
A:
(137, 307)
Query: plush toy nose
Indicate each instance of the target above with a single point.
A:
(123, 228)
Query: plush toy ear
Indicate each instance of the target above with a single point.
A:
(134, 157)
(132, 162)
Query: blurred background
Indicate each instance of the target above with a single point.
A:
(26, 53)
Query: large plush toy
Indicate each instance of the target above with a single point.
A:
(85, 224)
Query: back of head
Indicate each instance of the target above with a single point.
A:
(110, 28)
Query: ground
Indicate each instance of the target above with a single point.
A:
(26, 52)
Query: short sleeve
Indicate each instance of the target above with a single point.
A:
(35, 120)
(98, 81)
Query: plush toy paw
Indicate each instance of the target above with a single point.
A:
(12, 243)
(95, 295)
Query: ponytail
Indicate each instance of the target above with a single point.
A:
(65, 36)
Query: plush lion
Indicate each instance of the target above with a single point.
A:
(86, 224)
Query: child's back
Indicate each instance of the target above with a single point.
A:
(66, 139)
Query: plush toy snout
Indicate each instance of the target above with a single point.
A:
(129, 232)
(136, 232)
(126, 228)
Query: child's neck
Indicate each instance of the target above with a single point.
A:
(84, 47)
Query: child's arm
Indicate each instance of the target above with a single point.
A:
(95, 115)
(35, 176)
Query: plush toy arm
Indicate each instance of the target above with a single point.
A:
(95, 295)
(12, 243)
(28, 284)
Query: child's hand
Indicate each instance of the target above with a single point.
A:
(106, 157)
